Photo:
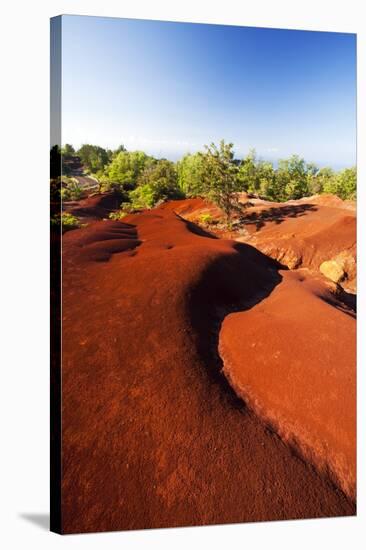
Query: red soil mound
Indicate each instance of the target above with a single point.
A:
(192, 209)
(302, 233)
(152, 433)
(292, 358)
(94, 207)
(99, 242)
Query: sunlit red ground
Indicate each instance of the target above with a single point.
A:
(203, 381)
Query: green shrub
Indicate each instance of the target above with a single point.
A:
(126, 167)
(72, 190)
(143, 196)
(129, 208)
(68, 221)
(117, 215)
(144, 181)
(94, 158)
(65, 195)
(190, 175)
(156, 184)
(220, 177)
(206, 219)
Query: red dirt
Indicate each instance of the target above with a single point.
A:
(152, 433)
(302, 233)
(95, 207)
(292, 358)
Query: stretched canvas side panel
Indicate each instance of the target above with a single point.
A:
(55, 253)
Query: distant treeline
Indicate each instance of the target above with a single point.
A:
(214, 173)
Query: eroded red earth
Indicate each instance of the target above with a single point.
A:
(153, 434)
(302, 233)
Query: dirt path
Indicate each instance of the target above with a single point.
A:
(87, 183)
(153, 435)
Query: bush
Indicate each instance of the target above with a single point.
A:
(190, 175)
(126, 167)
(129, 208)
(347, 183)
(94, 158)
(157, 183)
(220, 177)
(321, 180)
(206, 219)
(72, 190)
(68, 221)
(145, 182)
(256, 176)
(291, 181)
(144, 196)
(117, 215)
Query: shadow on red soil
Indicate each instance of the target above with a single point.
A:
(153, 435)
(277, 214)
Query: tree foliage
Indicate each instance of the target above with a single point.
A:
(190, 174)
(319, 180)
(291, 179)
(256, 176)
(158, 182)
(120, 149)
(70, 189)
(213, 173)
(126, 167)
(220, 176)
(343, 184)
(68, 150)
(93, 157)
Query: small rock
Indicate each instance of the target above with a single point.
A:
(333, 270)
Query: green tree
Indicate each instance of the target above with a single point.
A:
(120, 149)
(291, 179)
(267, 178)
(348, 183)
(126, 167)
(93, 157)
(190, 174)
(67, 154)
(248, 174)
(344, 184)
(68, 150)
(220, 177)
(158, 182)
(255, 175)
(319, 181)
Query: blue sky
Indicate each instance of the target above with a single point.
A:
(169, 88)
